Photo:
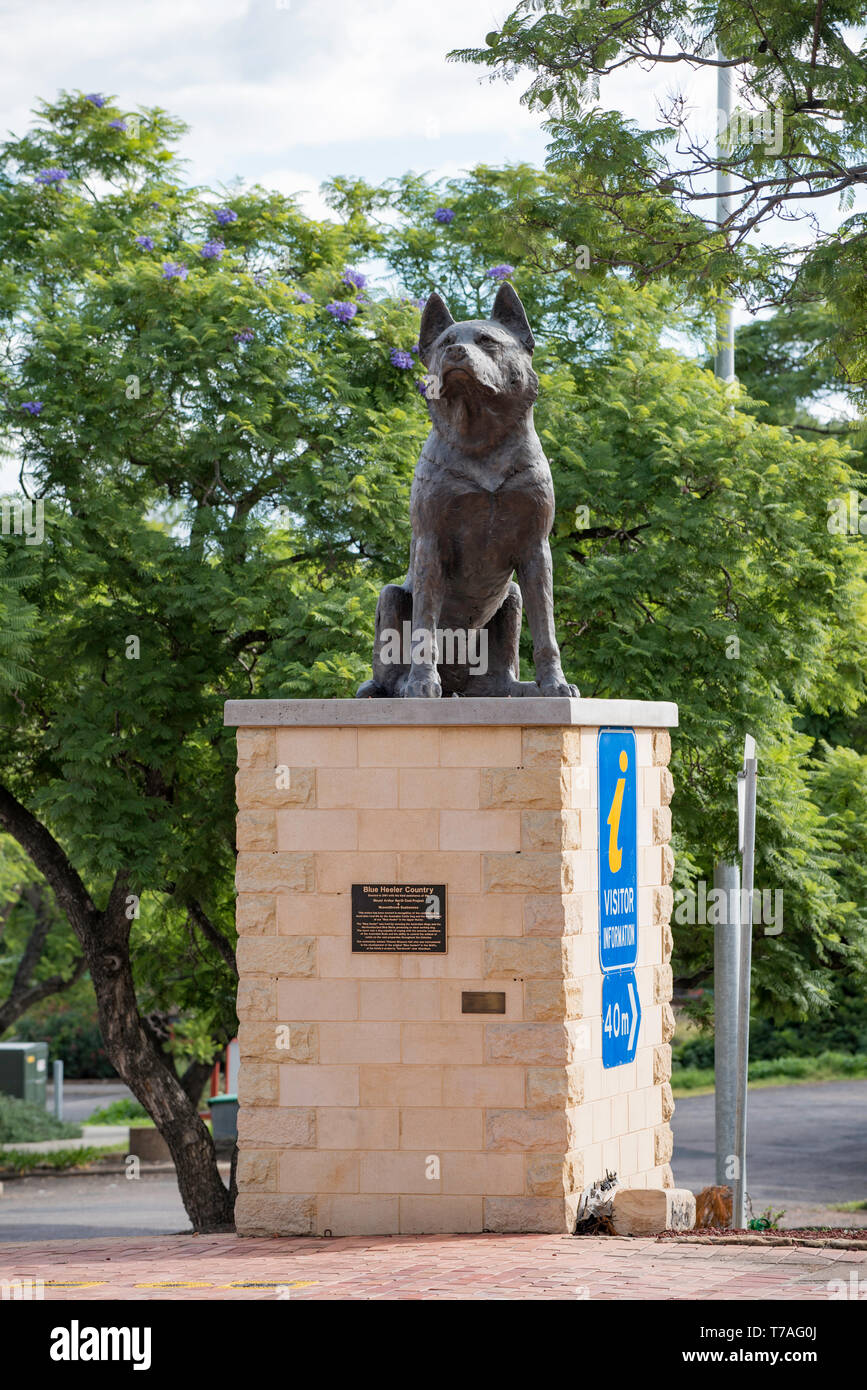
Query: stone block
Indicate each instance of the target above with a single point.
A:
(543, 831)
(481, 747)
(527, 1044)
(522, 1131)
(271, 788)
(268, 1214)
(661, 1064)
(524, 1215)
(256, 830)
(274, 873)
(256, 747)
(522, 958)
(544, 1000)
(649, 1211)
(481, 830)
(536, 788)
(527, 873)
(663, 1144)
(256, 914)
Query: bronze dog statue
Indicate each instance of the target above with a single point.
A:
(482, 508)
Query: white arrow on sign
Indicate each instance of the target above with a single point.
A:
(634, 1005)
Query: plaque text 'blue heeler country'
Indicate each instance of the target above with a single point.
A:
(618, 849)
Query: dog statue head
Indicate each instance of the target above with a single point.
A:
(481, 382)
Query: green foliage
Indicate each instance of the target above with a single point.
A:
(21, 1162)
(842, 1028)
(24, 1122)
(226, 470)
(68, 1023)
(802, 66)
(124, 1111)
(826, 1066)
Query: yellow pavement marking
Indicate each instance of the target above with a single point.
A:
(74, 1283)
(272, 1284)
(174, 1284)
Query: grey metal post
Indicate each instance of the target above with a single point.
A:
(726, 965)
(724, 360)
(58, 1090)
(748, 776)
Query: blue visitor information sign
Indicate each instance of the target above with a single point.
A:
(621, 1018)
(618, 849)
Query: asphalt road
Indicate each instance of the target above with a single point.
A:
(75, 1208)
(805, 1144)
(82, 1098)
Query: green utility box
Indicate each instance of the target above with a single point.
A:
(24, 1070)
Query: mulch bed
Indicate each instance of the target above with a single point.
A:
(835, 1237)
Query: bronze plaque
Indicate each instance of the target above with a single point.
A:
(399, 917)
(483, 1002)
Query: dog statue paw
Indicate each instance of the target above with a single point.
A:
(424, 687)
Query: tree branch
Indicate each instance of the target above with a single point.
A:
(50, 859)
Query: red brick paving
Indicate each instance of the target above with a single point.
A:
(484, 1267)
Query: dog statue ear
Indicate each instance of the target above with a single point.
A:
(435, 320)
(509, 311)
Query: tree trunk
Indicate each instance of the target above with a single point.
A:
(141, 1067)
(104, 939)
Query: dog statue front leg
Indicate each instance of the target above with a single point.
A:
(537, 590)
(422, 680)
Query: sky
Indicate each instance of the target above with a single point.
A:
(289, 93)
(283, 92)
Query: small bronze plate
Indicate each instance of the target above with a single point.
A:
(492, 1002)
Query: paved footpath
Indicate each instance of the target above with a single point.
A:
(427, 1267)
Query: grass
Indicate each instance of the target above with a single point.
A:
(849, 1206)
(17, 1161)
(124, 1111)
(827, 1066)
(23, 1122)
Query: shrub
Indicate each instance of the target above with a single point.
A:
(124, 1111)
(68, 1024)
(23, 1122)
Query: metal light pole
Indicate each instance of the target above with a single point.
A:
(747, 826)
(58, 1090)
(727, 933)
(724, 361)
(726, 966)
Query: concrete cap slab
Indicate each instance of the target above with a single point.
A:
(531, 710)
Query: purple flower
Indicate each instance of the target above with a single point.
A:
(354, 277)
(303, 297)
(174, 270)
(213, 250)
(246, 335)
(52, 175)
(145, 242)
(419, 303)
(97, 98)
(343, 311)
(421, 387)
(445, 215)
(224, 215)
(416, 348)
(118, 124)
(399, 358)
(499, 272)
(32, 407)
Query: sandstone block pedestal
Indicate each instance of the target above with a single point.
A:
(648, 1211)
(369, 1102)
